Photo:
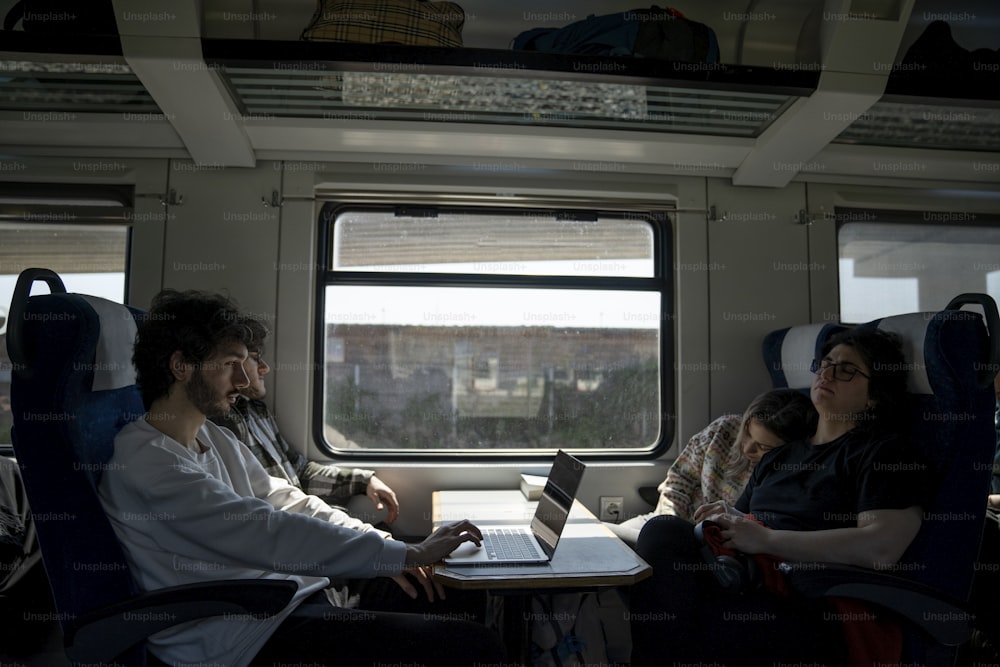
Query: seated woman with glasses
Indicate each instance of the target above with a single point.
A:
(716, 463)
(851, 494)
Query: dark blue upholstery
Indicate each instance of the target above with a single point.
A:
(62, 428)
(951, 417)
(73, 388)
(951, 406)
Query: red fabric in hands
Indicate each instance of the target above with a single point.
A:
(871, 638)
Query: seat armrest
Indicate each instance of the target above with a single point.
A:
(937, 614)
(103, 634)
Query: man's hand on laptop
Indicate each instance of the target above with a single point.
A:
(442, 542)
(420, 557)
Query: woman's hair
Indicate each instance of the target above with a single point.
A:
(192, 322)
(882, 352)
(787, 413)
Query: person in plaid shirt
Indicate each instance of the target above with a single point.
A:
(255, 426)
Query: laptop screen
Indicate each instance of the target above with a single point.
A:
(556, 501)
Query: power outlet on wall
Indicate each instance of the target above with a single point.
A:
(611, 508)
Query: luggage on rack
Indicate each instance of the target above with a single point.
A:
(387, 21)
(93, 17)
(936, 55)
(663, 34)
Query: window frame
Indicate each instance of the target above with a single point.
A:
(850, 214)
(66, 208)
(660, 220)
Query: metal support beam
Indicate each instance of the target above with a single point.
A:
(788, 145)
(192, 97)
(163, 48)
(858, 49)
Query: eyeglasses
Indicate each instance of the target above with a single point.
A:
(843, 371)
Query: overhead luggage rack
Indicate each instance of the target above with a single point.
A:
(232, 102)
(358, 82)
(911, 123)
(925, 108)
(49, 75)
(47, 88)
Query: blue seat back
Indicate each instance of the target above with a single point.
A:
(951, 407)
(73, 388)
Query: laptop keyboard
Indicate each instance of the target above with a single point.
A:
(508, 544)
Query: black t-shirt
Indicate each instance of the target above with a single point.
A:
(817, 487)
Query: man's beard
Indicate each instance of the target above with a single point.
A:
(203, 397)
(251, 392)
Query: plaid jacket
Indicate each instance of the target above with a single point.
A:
(256, 427)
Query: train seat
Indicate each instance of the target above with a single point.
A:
(951, 358)
(73, 387)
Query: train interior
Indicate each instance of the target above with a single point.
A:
(470, 257)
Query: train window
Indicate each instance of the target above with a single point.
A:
(901, 262)
(89, 258)
(495, 330)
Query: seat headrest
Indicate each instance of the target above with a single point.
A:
(113, 367)
(946, 344)
(912, 330)
(789, 352)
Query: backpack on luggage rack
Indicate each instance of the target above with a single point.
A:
(662, 34)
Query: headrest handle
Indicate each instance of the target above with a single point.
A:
(15, 324)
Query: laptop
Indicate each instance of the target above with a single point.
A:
(536, 543)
